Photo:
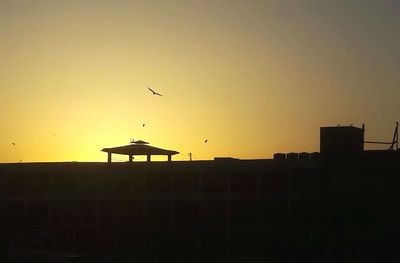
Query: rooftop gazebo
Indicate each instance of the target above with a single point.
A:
(138, 148)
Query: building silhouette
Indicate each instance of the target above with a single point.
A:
(341, 139)
(330, 207)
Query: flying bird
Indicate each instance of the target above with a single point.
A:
(144, 124)
(154, 93)
(13, 143)
(205, 141)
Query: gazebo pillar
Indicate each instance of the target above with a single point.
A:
(109, 157)
(169, 158)
(149, 158)
(130, 158)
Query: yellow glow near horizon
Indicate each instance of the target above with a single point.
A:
(252, 78)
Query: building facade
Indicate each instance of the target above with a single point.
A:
(220, 209)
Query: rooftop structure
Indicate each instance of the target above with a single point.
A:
(138, 148)
(341, 139)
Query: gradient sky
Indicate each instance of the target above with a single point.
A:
(252, 77)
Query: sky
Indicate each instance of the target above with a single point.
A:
(251, 77)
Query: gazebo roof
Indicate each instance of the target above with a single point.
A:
(139, 149)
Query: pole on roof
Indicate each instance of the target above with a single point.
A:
(394, 144)
(372, 142)
(397, 135)
(395, 140)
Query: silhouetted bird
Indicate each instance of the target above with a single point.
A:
(205, 141)
(154, 93)
(13, 143)
(144, 124)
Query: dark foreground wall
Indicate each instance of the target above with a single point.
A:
(282, 209)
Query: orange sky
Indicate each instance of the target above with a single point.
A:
(252, 77)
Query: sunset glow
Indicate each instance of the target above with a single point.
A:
(251, 77)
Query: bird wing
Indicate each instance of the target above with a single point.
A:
(152, 90)
(156, 93)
